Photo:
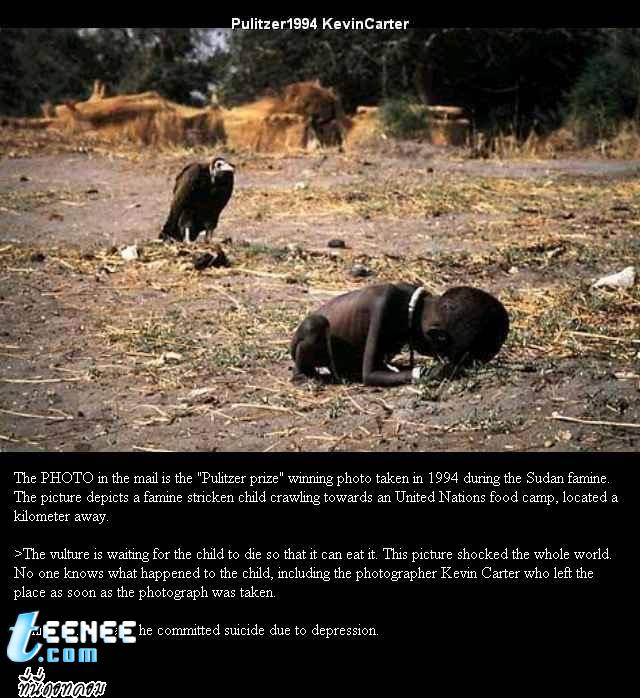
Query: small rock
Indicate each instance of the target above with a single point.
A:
(548, 444)
(623, 279)
(299, 186)
(56, 216)
(172, 357)
(514, 270)
(294, 247)
(38, 257)
(91, 191)
(24, 178)
(337, 243)
(201, 396)
(430, 170)
(130, 253)
(360, 271)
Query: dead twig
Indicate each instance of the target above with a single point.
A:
(228, 296)
(345, 392)
(152, 450)
(28, 415)
(594, 422)
(63, 263)
(257, 406)
(344, 437)
(18, 441)
(605, 337)
(40, 380)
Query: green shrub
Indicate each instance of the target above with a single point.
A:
(608, 90)
(402, 119)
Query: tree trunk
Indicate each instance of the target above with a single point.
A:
(423, 82)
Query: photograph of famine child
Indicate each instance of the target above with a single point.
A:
(227, 239)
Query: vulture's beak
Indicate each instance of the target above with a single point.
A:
(221, 169)
(226, 167)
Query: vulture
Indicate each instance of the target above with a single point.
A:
(200, 193)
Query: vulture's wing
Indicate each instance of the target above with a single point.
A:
(186, 185)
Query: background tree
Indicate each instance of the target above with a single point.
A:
(608, 89)
(42, 63)
(515, 79)
(165, 60)
(61, 64)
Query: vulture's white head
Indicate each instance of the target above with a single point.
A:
(221, 169)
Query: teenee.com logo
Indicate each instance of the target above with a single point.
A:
(65, 641)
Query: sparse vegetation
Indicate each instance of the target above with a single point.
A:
(607, 92)
(155, 354)
(402, 119)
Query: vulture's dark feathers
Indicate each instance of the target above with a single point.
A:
(200, 194)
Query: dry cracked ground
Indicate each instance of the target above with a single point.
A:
(101, 354)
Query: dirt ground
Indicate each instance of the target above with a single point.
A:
(101, 354)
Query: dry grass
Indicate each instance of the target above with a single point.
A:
(210, 345)
(625, 144)
(272, 124)
(281, 123)
(149, 333)
(540, 200)
(563, 318)
(255, 127)
(145, 119)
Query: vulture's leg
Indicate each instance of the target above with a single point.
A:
(185, 225)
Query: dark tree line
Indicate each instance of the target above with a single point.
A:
(60, 64)
(518, 78)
